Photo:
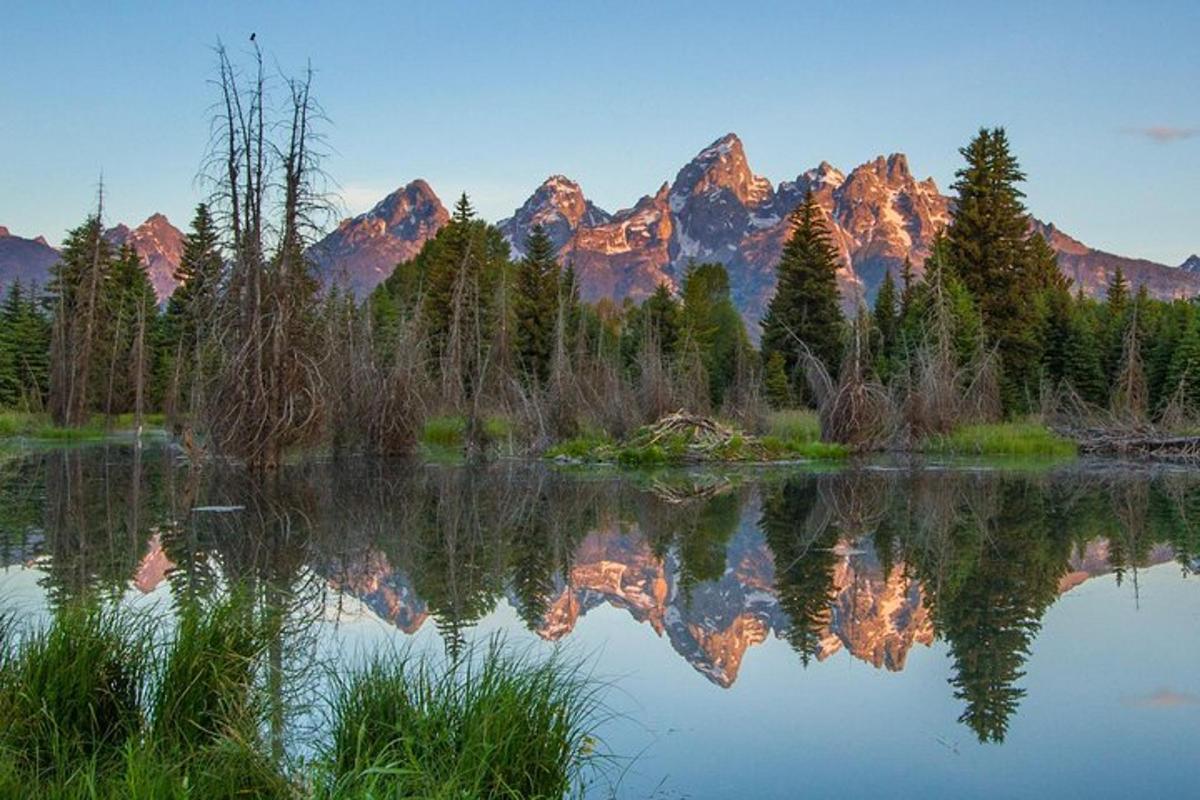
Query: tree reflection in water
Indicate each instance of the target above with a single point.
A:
(869, 560)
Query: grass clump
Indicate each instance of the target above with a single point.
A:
(1002, 439)
(490, 726)
(88, 710)
(70, 695)
(27, 425)
(444, 434)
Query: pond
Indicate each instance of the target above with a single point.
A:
(942, 630)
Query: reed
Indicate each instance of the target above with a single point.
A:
(491, 725)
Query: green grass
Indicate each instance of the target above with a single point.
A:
(796, 425)
(1002, 439)
(490, 726)
(88, 709)
(91, 707)
(443, 436)
(70, 695)
(796, 433)
(14, 424)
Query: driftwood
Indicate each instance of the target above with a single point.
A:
(1135, 443)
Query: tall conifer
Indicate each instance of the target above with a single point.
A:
(806, 302)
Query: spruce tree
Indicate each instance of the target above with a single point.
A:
(191, 308)
(990, 252)
(24, 350)
(75, 297)
(710, 321)
(535, 306)
(886, 324)
(659, 317)
(1082, 364)
(777, 387)
(806, 302)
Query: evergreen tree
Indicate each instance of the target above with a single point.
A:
(777, 387)
(75, 298)
(885, 322)
(710, 322)
(190, 310)
(535, 306)
(24, 350)
(806, 302)
(1183, 374)
(659, 317)
(990, 252)
(1082, 366)
(129, 317)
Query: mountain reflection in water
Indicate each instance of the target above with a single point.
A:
(872, 561)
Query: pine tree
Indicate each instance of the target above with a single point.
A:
(75, 297)
(710, 321)
(776, 385)
(24, 350)
(990, 253)
(806, 302)
(1082, 365)
(1183, 374)
(660, 320)
(189, 313)
(885, 322)
(535, 306)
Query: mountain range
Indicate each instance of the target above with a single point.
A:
(718, 209)
(157, 242)
(715, 209)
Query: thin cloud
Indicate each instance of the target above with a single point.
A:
(1164, 134)
(1164, 698)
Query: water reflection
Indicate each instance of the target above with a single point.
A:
(870, 561)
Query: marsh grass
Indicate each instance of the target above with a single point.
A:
(93, 707)
(70, 695)
(22, 424)
(1002, 439)
(492, 725)
(444, 437)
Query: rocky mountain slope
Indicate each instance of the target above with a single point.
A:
(27, 261)
(160, 246)
(157, 242)
(361, 252)
(718, 209)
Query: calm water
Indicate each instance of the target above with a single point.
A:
(945, 631)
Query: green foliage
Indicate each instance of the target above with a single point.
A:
(535, 306)
(990, 252)
(806, 303)
(70, 694)
(488, 726)
(1003, 439)
(185, 354)
(24, 350)
(710, 322)
(885, 325)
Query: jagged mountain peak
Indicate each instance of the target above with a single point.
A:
(362, 251)
(395, 209)
(159, 244)
(1191, 263)
(720, 166)
(4, 232)
(559, 206)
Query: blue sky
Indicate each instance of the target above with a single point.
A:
(493, 97)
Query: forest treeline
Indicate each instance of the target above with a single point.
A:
(253, 354)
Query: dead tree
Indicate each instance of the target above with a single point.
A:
(264, 395)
